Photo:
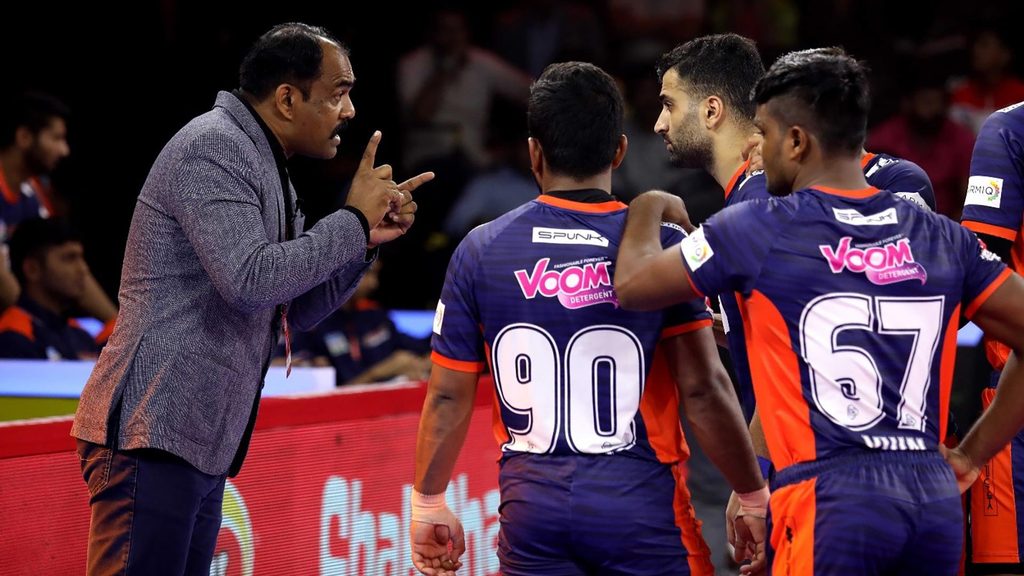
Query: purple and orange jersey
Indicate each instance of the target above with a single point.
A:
(860, 359)
(29, 200)
(531, 293)
(994, 205)
(901, 177)
(575, 377)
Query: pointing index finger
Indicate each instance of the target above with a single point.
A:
(370, 154)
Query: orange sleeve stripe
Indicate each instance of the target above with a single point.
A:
(946, 366)
(108, 329)
(457, 365)
(991, 230)
(19, 321)
(659, 408)
(685, 328)
(775, 371)
(987, 292)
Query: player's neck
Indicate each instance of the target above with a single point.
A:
(839, 173)
(727, 157)
(560, 182)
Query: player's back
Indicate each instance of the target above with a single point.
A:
(853, 313)
(587, 438)
(569, 365)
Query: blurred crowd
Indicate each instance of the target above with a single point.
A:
(449, 93)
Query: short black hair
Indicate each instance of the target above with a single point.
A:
(287, 53)
(830, 90)
(32, 110)
(726, 65)
(575, 113)
(33, 238)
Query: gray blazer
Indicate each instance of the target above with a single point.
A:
(205, 266)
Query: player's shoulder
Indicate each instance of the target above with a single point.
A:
(1010, 118)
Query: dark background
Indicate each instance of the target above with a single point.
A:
(133, 75)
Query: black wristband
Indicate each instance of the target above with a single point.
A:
(362, 221)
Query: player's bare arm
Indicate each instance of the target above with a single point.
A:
(709, 404)
(1001, 317)
(443, 427)
(648, 277)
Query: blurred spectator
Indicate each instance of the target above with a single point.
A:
(362, 343)
(923, 133)
(507, 184)
(773, 24)
(446, 87)
(535, 33)
(33, 140)
(991, 85)
(666, 21)
(9, 288)
(49, 262)
(447, 90)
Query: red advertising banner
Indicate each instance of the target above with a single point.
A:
(325, 490)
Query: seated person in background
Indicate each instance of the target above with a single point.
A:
(361, 342)
(48, 261)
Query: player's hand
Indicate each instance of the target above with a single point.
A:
(437, 542)
(752, 152)
(750, 532)
(964, 468)
(731, 509)
(672, 207)
(401, 214)
(373, 192)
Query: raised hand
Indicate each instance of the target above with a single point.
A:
(373, 191)
(401, 215)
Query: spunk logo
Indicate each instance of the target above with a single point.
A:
(886, 264)
(575, 286)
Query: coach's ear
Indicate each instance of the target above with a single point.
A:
(620, 151)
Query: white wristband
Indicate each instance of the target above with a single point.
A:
(426, 507)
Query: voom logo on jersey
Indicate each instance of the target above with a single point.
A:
(882, 264)
(576, 284)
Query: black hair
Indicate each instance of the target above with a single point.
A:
(288, 53)
(725, 65)
(830, 93)
(575, 113)
(32, 110)
(33, 238)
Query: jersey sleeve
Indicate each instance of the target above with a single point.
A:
(995, 192)
(457, 340)
(726, 253)
(909, 181)
(984, 272)
(685, 316)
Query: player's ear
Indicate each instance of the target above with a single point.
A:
(536, 158)
(620, 151)
(714, 112)
(797, 141)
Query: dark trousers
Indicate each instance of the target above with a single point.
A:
(152, 512)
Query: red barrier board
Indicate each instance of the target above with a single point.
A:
(325, 490)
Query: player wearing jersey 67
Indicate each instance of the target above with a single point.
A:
(851, 298)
